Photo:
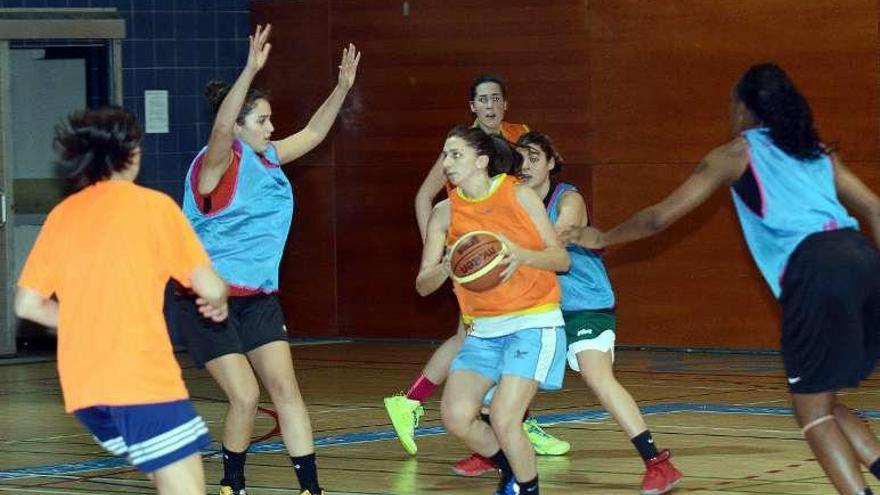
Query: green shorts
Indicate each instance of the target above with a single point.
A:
(589, 330)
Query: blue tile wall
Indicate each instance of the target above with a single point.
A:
(175, 45)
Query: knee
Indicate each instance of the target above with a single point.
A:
(505, 424)
(809, 411)
(245, 400)
(840, 411)
(598, 380)
(457, 418)
(284, 391)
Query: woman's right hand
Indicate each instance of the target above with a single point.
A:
(259, 48)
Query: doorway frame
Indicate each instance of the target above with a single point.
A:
(21, 24)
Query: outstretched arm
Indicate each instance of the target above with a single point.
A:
(219, 152)
(722, 166)
(855, 194)
(300, 143)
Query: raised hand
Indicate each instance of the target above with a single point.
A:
(259, 48)
(348, 66)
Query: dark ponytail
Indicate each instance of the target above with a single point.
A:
(503, 158)
(770, 95)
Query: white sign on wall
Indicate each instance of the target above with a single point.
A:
(156, 111)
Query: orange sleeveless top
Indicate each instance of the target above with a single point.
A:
(528, 290)
(509, 131)
(512, 132)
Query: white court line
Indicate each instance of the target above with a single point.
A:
(41, 439)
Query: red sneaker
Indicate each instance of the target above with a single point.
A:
(660, 475)
(474, 465)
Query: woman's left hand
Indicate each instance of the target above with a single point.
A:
(348, 67)
(513, 259)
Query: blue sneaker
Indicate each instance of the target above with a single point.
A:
(509, 488)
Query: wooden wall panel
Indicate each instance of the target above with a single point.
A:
(661, 78)
(633, 92)
(308, 269)
(662, 71)
(378, 256)
(412, 87)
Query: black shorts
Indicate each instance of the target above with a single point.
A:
(831, 312)
(253, 321)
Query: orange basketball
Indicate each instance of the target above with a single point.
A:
(476, 260)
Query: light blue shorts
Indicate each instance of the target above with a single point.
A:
(532, 353)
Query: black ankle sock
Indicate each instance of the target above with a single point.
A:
(306, 472)
(644, 443)
(875, 468)
(233, 469)
(529, 487)
(500, 460)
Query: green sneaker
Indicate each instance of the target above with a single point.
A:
(544, 443)
(405, 414)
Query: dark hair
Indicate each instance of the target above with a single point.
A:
(216, 92)
(487, 78)
(769, 94)
(96, 143)
(503, 158)
(543, 142)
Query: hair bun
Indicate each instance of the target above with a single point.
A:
(215, 92)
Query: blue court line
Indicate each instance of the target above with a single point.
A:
(72, 468)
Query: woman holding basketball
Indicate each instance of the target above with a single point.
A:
(241, 204)
(788, 190)
(516, 338)
(488, 103)
(588, 309)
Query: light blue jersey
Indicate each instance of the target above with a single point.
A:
(585, 286)
(245, 239)
(796, 198)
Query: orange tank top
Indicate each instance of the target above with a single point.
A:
(528, 290)
(512, 132)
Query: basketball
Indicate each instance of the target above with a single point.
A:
(476, 260)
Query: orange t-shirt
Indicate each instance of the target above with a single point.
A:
(107, 253)
(528, 289)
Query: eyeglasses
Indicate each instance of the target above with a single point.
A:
(486, 99)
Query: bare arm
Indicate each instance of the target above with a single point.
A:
(431, 186)
(219, 152)
(300, 143)
(855, 194)
(553, 257)
(206, 283)
(30, 305)
(720, 167)
(572, 211)
(434, 269)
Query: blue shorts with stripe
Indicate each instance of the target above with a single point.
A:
(152, 436)
(533, 353)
